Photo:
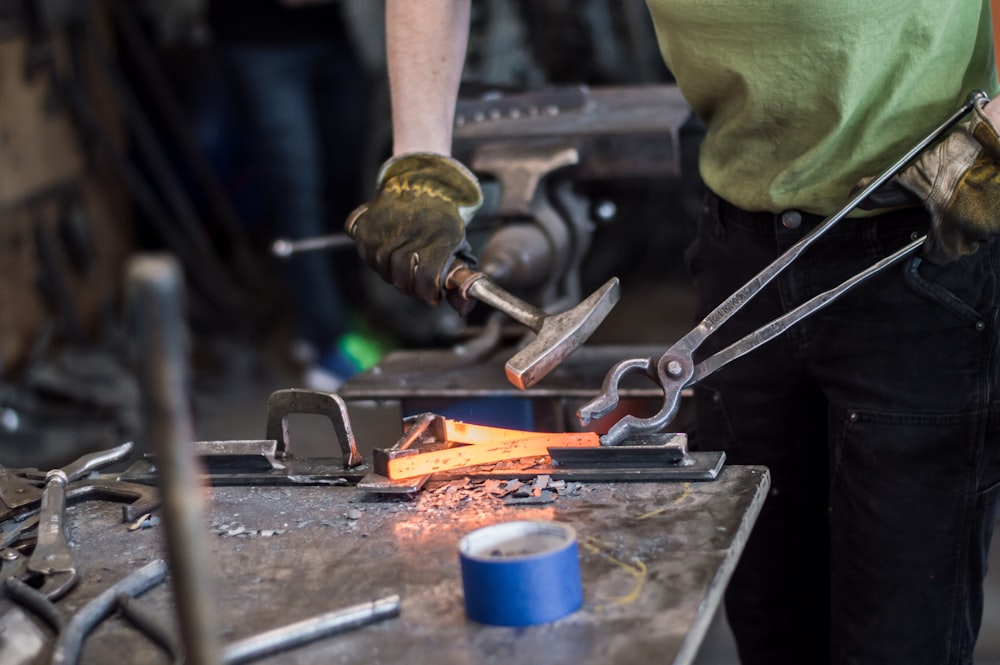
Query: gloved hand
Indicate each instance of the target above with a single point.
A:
(958, 181)
(414, 228)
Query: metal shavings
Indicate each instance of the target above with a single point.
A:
(492, 486)
(147, 521)
(240, 531)
(541, 482)
(449, 497)
(139, 522)
(512, 486)
(530, 499)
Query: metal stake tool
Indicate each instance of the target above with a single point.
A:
(154, 291)
(675, 369)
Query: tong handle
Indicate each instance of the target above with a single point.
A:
(771, 330)
(725, 310)
(674, 370)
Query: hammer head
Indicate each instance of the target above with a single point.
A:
(560, 335)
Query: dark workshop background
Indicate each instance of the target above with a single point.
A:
(122, 131)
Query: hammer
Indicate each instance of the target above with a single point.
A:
(557, 335)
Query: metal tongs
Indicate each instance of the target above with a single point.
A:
(675, 369)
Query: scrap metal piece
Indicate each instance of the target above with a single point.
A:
(139, 498)
(16, 493)
(425, 428)
(283, 403)
(376, 483)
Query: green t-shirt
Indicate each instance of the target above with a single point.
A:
(801, 98)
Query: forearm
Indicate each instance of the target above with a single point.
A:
(425, 47)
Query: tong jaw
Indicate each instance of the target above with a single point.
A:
(672, 372)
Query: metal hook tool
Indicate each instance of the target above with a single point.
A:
(675, 369)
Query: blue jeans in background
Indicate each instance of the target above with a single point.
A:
(307, 106)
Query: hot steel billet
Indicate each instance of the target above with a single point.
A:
(309, 630)
(154, 290)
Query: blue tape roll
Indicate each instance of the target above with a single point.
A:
(520, 573)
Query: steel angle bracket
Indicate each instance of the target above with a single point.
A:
(245, 465)
(649, 457)
(269, 461)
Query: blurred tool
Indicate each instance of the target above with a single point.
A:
(154, 289)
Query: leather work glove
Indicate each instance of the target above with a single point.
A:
(958, 182)
(414, 228)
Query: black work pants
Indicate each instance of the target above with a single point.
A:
(879, 418)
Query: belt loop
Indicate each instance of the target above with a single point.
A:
(713, 209)
(712, 203)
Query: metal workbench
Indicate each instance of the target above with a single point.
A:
(655, 559)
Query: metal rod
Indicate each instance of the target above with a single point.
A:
(303, 632)
(34, 601)
(150, 626)
(284, 247)
(155, 287)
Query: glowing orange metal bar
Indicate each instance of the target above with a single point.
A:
(484, 445)
(458, 432)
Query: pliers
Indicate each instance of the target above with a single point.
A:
(675, 370)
